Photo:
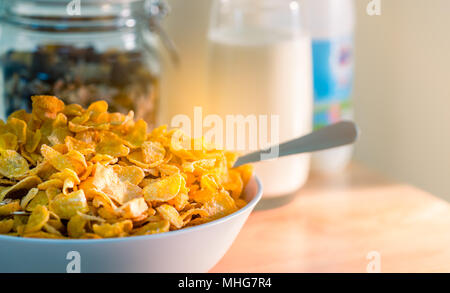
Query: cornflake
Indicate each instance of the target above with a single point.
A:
(70, 172)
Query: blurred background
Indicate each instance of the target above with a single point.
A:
(401, 88)
(401, 92)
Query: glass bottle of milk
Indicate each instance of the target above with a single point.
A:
(260, 83)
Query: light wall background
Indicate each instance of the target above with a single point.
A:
(402, 91)
(402, 86)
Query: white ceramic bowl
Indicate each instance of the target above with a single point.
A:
(190, 250)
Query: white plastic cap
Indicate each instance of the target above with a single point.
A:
(330, 18)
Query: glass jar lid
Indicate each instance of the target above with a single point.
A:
(65, 16)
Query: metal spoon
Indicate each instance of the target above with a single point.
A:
(339, 134)
(20, 213)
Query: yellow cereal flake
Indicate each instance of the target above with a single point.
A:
(164, 189)
(8, 141)
(52, 230)
(133, 209)
(132, 174)
(51, 183)
(234, 184)
(29, 197)
(12, 165)
(170, 214)
(76, 226)
(33, 139)
(21, 115)
(56, 224)
(18, 128)
(119, 229)
(66, 206)
(58, 135)
(6, 226)
(91, 218)
(137, 135)
(74, 144)
(37, 220)
(150, 155)
(109, 182)
(73, 110)
(72, 160)
(22, 186)
(153, 228)
(220, 204)
(51, 193)
(112, 145)
(71, 172)
(46, 107)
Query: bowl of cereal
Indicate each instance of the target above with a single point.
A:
(85, 190)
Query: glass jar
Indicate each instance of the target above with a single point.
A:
(81, 51)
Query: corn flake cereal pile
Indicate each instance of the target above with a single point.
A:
(69, 172)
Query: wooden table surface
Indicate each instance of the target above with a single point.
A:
(346, 223)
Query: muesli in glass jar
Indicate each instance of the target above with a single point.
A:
(102, 51)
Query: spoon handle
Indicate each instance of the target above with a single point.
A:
(339, 134)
